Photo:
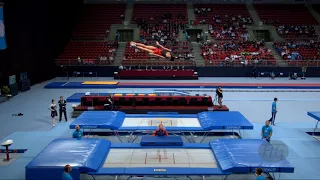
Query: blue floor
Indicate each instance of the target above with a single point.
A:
(33, 130)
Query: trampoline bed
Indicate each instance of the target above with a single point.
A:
(101, 158)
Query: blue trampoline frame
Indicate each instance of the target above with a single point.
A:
(233, 156)
(315, 116)
(209, 121)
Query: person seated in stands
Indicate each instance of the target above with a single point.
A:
(159, 51)
(161, 131)
(66, 174)
(77, 133)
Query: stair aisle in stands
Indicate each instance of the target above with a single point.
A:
(190, 12)
(120, 53)
(317, 17)
(198, 59)
(280, 61)
(314, 13)
(128, 13)
(253, 13)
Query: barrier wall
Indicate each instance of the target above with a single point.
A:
(107, 71)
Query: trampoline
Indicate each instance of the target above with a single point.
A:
(98, 157)
(316, 116)
(120, 122)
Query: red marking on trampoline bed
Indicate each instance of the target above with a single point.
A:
(174, 159)
(216, 84)
(159, 157)
(145, 160)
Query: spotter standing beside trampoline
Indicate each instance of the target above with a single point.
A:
(159, 51)
(219, 94)
(66, 174)
(53, 109)
(266, 131)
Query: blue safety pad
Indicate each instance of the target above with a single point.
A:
(54, 85)
(314, 115)
(161, 141)
(138, 146)
(242, 156)
(223, 120)
(76, 97)
(99, 120)
(84, 156)
(79, 85)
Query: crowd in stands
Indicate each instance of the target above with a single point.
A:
(291, 21)
(230, 53)
(296, 31)
(224, 25)
(160, 27)
(301, 50)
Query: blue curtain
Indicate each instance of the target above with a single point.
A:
(3, 44)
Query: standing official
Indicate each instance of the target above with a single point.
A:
(266, 131)
(219, 93)
(274, 111)
(62, 108)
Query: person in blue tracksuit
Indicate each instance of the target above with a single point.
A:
(77, 133)
(66, 174)
(274, 111)
(259, 174)
(266, 131)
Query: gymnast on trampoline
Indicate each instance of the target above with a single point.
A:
(161, 131)
(158, 51)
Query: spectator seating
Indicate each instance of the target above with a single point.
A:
(299, 53)
(148, 100)
(159, 20)
(226, 21)
(157, 74)
(89, 52)
(291, 21)
(97, 19)
(233, 54)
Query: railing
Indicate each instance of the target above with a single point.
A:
(216, 63)
(131, 62)
(237, 63)
(137, 62)
(87, 62)
(300, 63)
(264, 63)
